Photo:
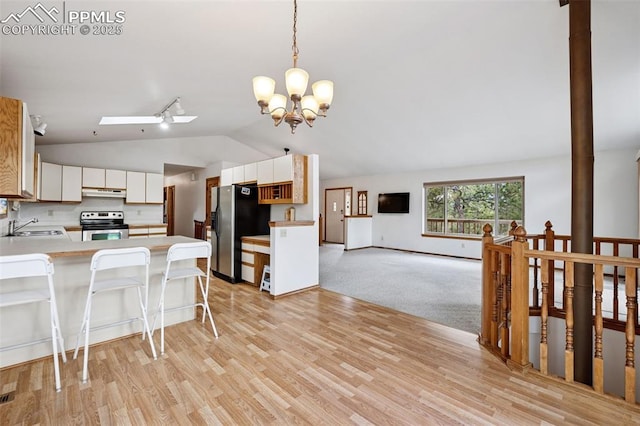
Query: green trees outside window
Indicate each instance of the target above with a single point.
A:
(463, 208)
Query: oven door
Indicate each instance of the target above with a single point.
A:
(104, 234)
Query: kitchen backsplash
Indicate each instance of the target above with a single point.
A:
(69, 214)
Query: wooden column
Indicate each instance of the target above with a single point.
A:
(581, 181)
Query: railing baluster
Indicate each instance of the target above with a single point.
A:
(534, 293)
(544, 349)
(630, 333)
(615, 285)
(495, 298)
(598, 361)
(505, 280)
(568, 352)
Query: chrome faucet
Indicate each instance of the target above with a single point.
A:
(13, 228)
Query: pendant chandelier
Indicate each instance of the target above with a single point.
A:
(304, 108)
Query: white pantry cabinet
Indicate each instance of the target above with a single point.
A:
(155, 188)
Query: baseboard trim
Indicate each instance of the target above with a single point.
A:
(302, 290)
(426, 252)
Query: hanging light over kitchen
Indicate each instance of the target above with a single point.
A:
(304, 108)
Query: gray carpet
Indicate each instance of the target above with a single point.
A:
(440, 289)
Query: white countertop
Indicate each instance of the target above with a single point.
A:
(62, 246)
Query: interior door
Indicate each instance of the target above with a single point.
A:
(334, 215)
(169, 209)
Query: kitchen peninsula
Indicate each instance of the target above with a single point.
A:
(71, 279)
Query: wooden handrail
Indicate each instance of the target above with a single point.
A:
(508, 264)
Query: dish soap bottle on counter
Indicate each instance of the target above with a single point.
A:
(290, 214)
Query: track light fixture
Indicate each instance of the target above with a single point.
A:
(39, 126)
(164, 117)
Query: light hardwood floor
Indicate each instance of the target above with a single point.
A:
(311, 358)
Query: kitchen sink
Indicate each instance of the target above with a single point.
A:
(38, 233)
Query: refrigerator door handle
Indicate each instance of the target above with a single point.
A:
(216, 221)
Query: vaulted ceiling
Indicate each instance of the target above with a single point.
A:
(418, 84)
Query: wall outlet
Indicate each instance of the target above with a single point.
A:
(50, 212)
(283, 233)
(381, 237)
(139, 212)
(462, 245)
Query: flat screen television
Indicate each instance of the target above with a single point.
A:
(396, 202)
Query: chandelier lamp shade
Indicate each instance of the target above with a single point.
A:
(304, 108)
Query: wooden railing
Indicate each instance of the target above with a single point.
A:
(464, 226)
(508, 299)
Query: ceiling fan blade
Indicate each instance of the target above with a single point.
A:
(150, 119)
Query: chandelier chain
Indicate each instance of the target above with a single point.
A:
(294, 47)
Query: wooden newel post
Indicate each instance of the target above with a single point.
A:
(519, 299)
(487, 287)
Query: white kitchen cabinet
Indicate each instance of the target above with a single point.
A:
(138, 231)
(251, 172)
(136, 187)
(283, 169)
(75, 235)
(264, 172)
(226, 177)
(158, 231)
(155, 188)
(288, 183)
(93, 177)
(50, 182)
(237, 174)
(72, 184)
(115, 179)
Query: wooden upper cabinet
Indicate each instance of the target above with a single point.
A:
(17, 144)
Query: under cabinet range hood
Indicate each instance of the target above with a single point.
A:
(105, 193)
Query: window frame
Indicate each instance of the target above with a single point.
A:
(445, 184)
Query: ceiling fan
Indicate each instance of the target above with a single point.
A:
(164, 117)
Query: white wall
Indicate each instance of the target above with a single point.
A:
(151, 155)
(547, 197)
(189, 201)
(212, 153)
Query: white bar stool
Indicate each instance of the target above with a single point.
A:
(184, 251)
(34, 265)
(265, 282)
(112, 259)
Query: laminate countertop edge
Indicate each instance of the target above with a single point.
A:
(58, 248)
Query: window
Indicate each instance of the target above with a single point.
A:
(463, 208)
(362, 203)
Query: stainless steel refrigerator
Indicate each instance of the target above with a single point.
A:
(235, 214)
